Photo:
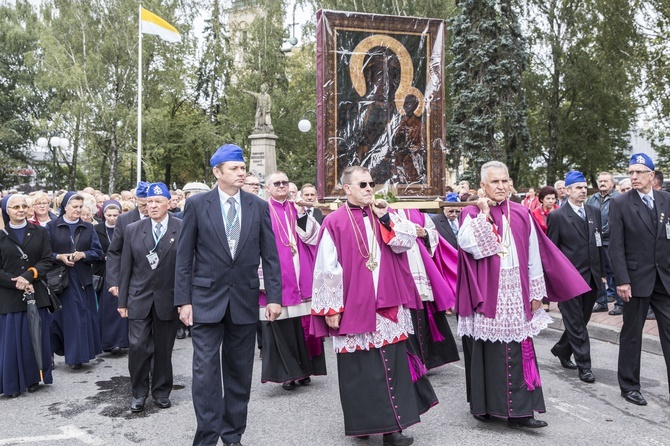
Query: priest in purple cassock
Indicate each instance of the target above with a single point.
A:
(362, 299)
(432, 340)
(506, 265)
(290, 353)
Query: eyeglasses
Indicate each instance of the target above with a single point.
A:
(280, 183)
(18, 206)
(454, 211)
(638, 172)
(254, 184)
(364, 184)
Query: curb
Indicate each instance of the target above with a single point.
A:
(609, 333)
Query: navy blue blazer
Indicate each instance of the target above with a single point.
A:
(208, 277)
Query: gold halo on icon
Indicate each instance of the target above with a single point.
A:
(406, 69)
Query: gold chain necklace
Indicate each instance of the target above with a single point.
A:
(290, 244)
(371, 264)
(506, 234)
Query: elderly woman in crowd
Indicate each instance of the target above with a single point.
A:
(74, 331)
(18, 275)
(547, 198)
(113, 328)
(43, 214)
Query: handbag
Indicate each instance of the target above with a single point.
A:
(58, 279)
(97, 283)
(54, 302)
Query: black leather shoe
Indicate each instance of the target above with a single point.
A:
(483, 418)
(397, 439)
(305, 381)
(587, 376)
(76, 366)
(162, 402)
(650, 315)
(289, 385)
(14, 395)
(33, 388)
(565, 362)
(116, 351)
(181, 333)
(600, 308)
(232, 444)
(137, 404)
(530, 422)
(634, 396)
(617, 311)
(363, 437)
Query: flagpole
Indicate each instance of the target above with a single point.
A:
(139, 98)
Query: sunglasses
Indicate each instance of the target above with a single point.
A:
(280, 183)
(454, 211)
(18, 206)
(364, 184)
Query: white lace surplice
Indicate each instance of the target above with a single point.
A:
(327, 298)
(510, 324)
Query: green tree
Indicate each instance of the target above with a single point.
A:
(582, 83)
(489, 105)
(21, 103)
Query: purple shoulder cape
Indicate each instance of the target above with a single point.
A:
(360, 301)
(477, 280)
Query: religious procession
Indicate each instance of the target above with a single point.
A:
(399, 255)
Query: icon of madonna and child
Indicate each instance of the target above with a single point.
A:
(381, 112)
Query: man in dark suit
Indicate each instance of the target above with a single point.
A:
(225, 233)
(116, 245)
(146, 298)
(639, 247)
(446, 223)
(308, 195)
(576, 229)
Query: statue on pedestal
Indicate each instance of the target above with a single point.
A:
(263, 109)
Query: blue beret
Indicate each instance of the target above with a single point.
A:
(574, 176)
(158, 190)
(141, 189)
(452, 197)
(641, 158)
(227, 152)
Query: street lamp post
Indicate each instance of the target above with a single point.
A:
(305, 125)
(54, 142)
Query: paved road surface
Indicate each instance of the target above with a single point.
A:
(90, 406)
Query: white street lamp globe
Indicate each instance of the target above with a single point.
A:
(64, 143)
(54, 141)
(304, 125)
(42, 142)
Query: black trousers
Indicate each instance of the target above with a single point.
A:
(630, 341)
(224, 350)
(151, 339)
(576, 314)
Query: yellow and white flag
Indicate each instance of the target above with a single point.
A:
(152, 24)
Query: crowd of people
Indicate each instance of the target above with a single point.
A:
(134, 271)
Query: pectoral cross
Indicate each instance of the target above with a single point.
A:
(371, 264)
(503, 253)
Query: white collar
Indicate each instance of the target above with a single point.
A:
(224, 196)
(575, 207)
(651, 194)
(163, 222)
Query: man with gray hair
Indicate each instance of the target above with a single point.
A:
(562, 196)
(506, 267)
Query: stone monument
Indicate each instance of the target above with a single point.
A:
(263, 139)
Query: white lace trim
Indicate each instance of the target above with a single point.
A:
(538, 288)
(405, 234)
(510, 323)
(327, 292)
(486, 238)
(387, 332)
